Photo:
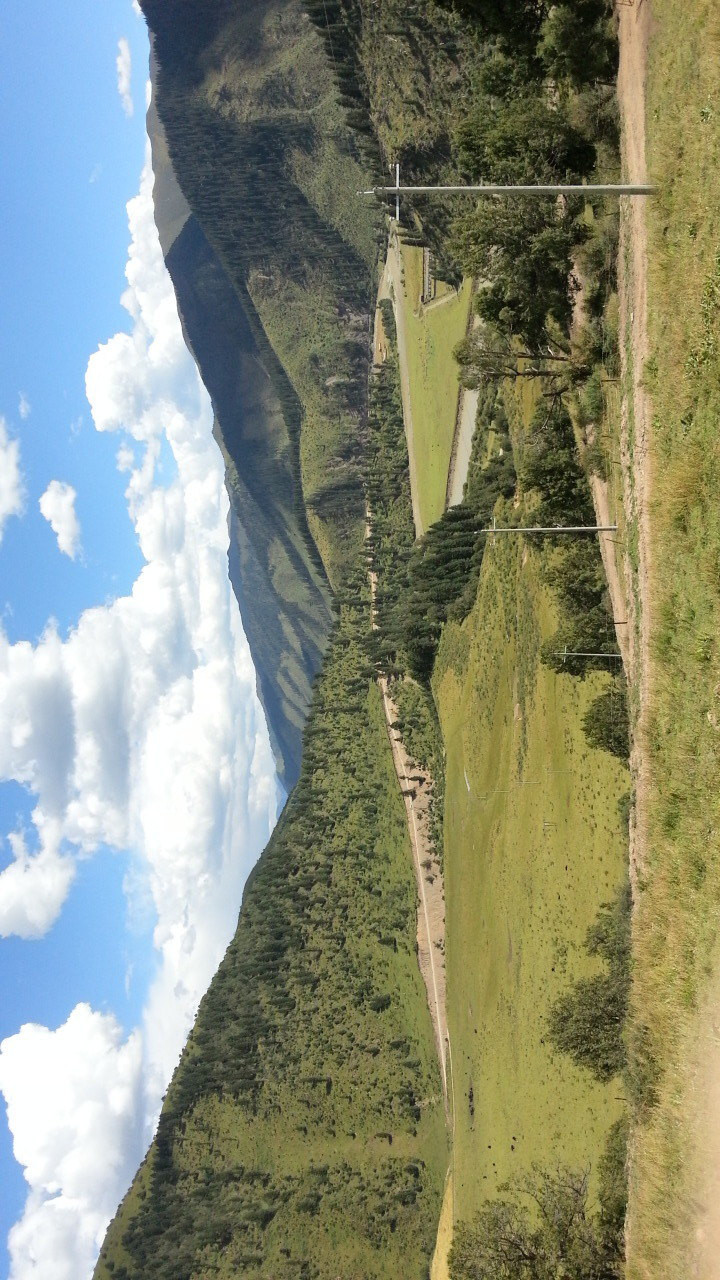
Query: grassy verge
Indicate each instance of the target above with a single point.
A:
(676, 918)
(432, 333)
(534, 844)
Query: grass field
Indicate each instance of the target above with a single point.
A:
(534, 845)
(432, 333)
(677, 974)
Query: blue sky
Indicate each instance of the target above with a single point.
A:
(72, 160)
(134, 758)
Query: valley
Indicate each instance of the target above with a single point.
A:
(471, 993)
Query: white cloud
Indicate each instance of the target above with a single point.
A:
(74, 1104)
(12, 492)
(123, 64)
(34, 889)
(57, 505)
(24, 406)
(142, 730)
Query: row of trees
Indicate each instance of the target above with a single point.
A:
(421, 584)
(585, 637)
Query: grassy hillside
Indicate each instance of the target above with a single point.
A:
(303, 1133)
(676, 932)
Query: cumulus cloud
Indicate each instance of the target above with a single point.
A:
(57, 505)
(34, 889)
(24, 406)
(74, 1107)
(12, 492)
(123, 64)
(142, 729)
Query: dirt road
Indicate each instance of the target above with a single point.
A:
(415, 786)
(635, 425)
(636, 415)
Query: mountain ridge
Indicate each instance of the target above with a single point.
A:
(284, 600)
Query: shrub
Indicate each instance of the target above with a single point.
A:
(588, 1021)
(543, 1229)
(587, 1024)
(612, 1192)
(388, 318)
(606, 721)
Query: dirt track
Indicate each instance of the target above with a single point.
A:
(635, 420)
(415, 785)
(634, 450)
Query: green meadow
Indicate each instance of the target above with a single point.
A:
(432, 333)
(534, 845)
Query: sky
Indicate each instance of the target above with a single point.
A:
(137, 785)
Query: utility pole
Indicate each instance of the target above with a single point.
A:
(537, 189)
(573, 653)
(550, 529)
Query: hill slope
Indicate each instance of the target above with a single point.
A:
(303, 1133)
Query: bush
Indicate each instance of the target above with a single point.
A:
(612, 1193)
(550, 465)
(578, 43)
(543, 1229)
(587, 1024)
(387, 312)
(588, 1021)
(606, 722)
